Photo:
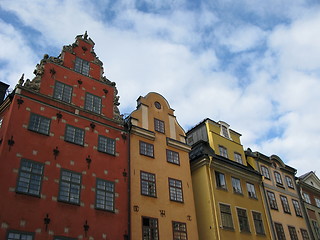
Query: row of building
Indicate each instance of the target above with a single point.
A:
(74, 168)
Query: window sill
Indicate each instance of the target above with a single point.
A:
(28, 194)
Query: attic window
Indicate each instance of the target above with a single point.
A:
(157, 105)
(224, 129)
(82, 66)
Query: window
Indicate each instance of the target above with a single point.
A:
(179, 231)
(278, 178)
(316, 229)
(279, 231)
(223, 151)
(226, 217)
(175, 189)
(70, 185)
(150, 228)
(305, 235)
(237, 157)
(224, 131)
(236, 185)
(158, 125)
(258, 224)
(39, 124)
(148, 184)
(104, 195)
(251, 190)
(106, 145)
(92, 103)
(243, 220)
(317, 202)
(289, 182)
(221, 181)
(1, 121)
(285, 204)
(82, 66)
(173, 157)
(293, 233)
(62, 92)
(30, 177)
(297, 208)
(63, 238)
(272, 200)
(74, 135)
(17, 235)
(265, 172)
(146, 149)
(306, 197)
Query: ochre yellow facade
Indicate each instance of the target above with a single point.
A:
(211, 199)
(155, 202)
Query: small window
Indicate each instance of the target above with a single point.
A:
(258, 224)
(236, 185)
(226, 216)
(173, 157)
(159, 125)
(289, 182)
(82, 66)
(179, 231)
(297, 208)
(272, 200)
(93, 103)
(148, 184)
(40, 124)
(278, 178)
(17, 235)
(146, 149)
(224, 130)
(316, 229)
(105, 195)
(306, 197)
(285, 204)
(223, 151)
(30, 177)
(305, 235)
(62, 92)
(238, 158)
(265, 172)
(106, 145)
(317, 202)
(280, 231)
(293, 233)
(74, 135)
(175, 189)
(221, 181)
(251, 190)
(150, 228)
(243, 220)
(1, 121)
(70, 186)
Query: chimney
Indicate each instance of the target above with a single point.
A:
(3, 91)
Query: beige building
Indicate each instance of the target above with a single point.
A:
(162, 204)
(286, 213)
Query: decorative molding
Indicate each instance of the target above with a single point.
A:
(178, 145)
(143, 132)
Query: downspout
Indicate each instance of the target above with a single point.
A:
(129, 178)
(213, 211)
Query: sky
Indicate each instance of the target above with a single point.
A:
(253, 64)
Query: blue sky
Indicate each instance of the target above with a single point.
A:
(252, 64)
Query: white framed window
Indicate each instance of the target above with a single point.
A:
(82, 66)
(221, 180)
(278, 178)
(223, 151)
(238, 157)
(306, 197)
(224, 129)
(265, 172)
(236, 185)
(289, 182)
(251, 190)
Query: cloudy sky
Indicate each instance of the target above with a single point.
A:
(253, 64)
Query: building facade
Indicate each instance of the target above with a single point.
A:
(309, 188)
(162, 205)
(228, 194)
(285, 212)
(64, 152)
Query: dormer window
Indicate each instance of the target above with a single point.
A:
(224, 129)
(82, 66)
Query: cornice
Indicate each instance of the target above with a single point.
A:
(142, 132)
(178, 145)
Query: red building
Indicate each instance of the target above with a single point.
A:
(64, 152)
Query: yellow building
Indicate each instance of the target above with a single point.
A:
(162, 204)
(228, 193)
(286, 214)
